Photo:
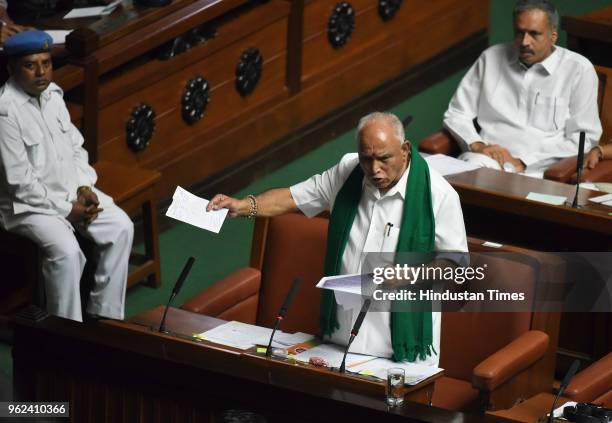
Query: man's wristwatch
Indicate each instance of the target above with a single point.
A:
(82, 189)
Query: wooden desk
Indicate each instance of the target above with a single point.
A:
(186, 323)
(495, 208)
(114, 371)
(531, 410)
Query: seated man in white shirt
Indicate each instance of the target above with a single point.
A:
(47, 187)
(387, 184)
(531, 98)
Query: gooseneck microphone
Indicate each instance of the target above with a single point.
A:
(579, 163)
(175, 291)
(283, 312)
(355, 331)
(566, 380)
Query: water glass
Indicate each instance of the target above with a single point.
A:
(395, 386)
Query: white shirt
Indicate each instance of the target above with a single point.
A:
(373, 213)
(42, 161)
(536, 113)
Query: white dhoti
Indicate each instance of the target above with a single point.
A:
(112, 232)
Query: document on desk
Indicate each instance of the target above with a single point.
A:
(415, 373)
(244, 336)
(333, 354)
(236, 334)
(87, 12)
(555, 200)
(447, 165)
(58, 35)
(606, 200)
(191, 209)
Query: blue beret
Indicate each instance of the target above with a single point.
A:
(28, 42)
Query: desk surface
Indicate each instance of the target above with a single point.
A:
(184, 324)
(494, 198)
(143, 374)
(531, 410)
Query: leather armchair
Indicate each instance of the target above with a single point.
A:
(490, 359)
(442, 142)
(593, 384)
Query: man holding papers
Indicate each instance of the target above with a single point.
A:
(383, 199)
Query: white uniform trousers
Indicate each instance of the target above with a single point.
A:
(63, 261)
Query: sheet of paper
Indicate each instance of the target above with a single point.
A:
(333, 354)
(589, 185)
(344, 283)
(606, 199)
(58, 35)
(415, 373)
(447, 165)
(284, 340)
(604, 186)
(191, 209)
(236, 334)
(86, 12)
(555, 200)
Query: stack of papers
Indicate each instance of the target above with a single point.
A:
(343, 283)
(415, 373)
(244, 336)
(447, 165)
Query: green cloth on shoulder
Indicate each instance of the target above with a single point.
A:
(411, 332)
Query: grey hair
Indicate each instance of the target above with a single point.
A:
(544, 5)
(390, 118)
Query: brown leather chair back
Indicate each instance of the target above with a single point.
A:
(467, 338)
(293, 247)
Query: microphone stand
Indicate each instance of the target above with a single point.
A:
(579, 163)
(354, 332)
(283, 312)
(566, 380)
(175, 291)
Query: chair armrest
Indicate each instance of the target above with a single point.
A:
(591, 382)
(236, 290)
(562, 171)
(510, 360)
(440, 142)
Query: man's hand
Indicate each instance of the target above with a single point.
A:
(82, 214)
(88, 198)
(235, 206)
(592, 158)
(9, 29)
(497, 153)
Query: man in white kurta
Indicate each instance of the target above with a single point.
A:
(47, 188)
(531, 99)
(377, 208)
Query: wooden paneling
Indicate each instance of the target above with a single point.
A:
(419, 31)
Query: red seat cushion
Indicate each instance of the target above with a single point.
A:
(454, 394)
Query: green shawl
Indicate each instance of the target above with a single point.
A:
(411, 332)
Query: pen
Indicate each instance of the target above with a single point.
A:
(388, 227)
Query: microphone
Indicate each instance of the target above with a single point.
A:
(283, 311)
(355, 331)
(579, 163)
(566, 380)
(175, 291)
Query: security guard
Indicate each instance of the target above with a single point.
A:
(47, 187)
